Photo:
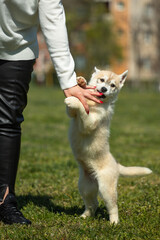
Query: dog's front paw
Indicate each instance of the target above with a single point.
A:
(72, 102)
(81, 82)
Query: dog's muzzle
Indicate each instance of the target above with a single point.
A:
(103, 90)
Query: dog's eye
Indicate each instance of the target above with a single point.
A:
(113, 85)
(102, 79)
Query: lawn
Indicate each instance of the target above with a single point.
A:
(47, 179)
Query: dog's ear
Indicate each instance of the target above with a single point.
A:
(96, 70)
(123, 77)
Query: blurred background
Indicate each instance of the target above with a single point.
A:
(109, 34)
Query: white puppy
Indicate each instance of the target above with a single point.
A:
(89, 136)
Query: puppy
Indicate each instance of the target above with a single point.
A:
(89, 136)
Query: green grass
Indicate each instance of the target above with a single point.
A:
(46, 185)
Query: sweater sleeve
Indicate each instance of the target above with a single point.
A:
(53, 25)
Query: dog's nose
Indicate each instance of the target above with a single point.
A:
(104, 89)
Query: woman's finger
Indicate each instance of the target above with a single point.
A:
(90, 87)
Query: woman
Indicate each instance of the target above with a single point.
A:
(19, 21)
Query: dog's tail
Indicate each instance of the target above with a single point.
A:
(133, 171)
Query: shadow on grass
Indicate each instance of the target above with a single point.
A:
(47, 202)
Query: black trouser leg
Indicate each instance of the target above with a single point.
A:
(9, 158)
(14, 84)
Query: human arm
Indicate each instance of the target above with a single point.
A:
(52, 21)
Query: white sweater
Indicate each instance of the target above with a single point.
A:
(19, 20)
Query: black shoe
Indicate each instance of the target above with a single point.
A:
(9, 212)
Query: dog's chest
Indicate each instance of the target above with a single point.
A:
(90, 145)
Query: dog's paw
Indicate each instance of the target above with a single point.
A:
(114, 219)
(83, 216)
(81, 82)
(88, 213)
(72, 102)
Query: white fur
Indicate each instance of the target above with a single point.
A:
(88, 137)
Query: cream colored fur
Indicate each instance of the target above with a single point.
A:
(89, 136)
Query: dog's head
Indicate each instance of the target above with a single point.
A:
(107, 82)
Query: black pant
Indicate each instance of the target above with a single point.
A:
(15, 77)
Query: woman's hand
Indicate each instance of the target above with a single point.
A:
(82, 94)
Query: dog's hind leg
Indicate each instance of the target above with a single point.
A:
(107, 182)
(88, 189)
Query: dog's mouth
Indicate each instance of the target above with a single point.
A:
(102, 96)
